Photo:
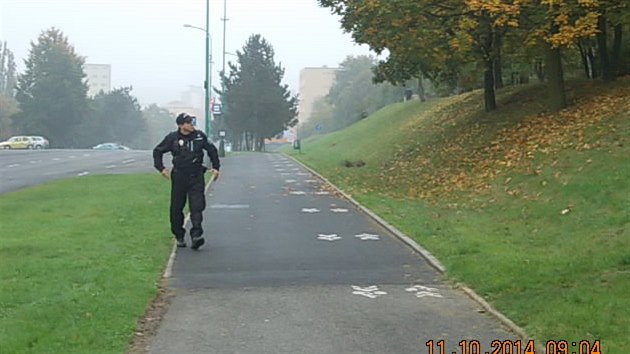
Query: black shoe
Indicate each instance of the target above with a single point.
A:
(197, 242)
(181, 243)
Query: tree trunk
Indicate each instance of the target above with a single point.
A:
(556, 94)
(584, 58)
(606, 69)
(498, 74)
(488, 87)
(498, 69)
(539, 68)
(592, 63)
(616, 53)
(421, 93)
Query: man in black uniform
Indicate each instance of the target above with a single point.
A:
(187, 145)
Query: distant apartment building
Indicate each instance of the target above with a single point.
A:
(314, 84)
(99, 78)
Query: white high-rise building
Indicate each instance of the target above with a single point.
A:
(99, 78)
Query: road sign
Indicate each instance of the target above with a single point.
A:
(217, 109)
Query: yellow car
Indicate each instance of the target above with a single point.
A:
(21, 142)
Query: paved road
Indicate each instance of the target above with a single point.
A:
(23, 168)
(289, 268)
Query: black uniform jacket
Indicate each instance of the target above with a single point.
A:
(187, 151)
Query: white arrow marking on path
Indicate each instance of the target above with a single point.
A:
(366, 237)
(339, 210)
(371, 291)
(325, 237)
(422, 291)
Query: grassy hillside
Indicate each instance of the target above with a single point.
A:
(530, 209)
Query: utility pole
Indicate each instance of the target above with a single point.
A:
(208, 83)
(222, 116)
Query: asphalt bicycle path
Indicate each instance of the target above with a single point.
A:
(290, 267)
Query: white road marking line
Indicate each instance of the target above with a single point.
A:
(310, 210)
(297, 193)
(128, 161)
(56, 159)
(290, 181)
(229, 206)
(84, 173)
(110, 166)
(14, 165)
(321, 193)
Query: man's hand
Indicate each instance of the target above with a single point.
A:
(166, 173)
(215, 174)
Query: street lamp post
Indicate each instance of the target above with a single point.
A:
(208, 79)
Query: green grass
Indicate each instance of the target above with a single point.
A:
(559, 276)
(80, 260)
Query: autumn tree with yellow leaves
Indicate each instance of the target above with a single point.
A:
(436, 38)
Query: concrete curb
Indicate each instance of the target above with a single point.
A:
(171, 259)
(434, 262)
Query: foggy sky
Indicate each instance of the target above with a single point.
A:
(148, 47)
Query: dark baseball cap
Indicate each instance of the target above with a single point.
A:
(184, 118)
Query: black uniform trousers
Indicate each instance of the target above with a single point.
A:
(187, 186)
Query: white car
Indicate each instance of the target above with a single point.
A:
(110, 146)
(40, 142)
